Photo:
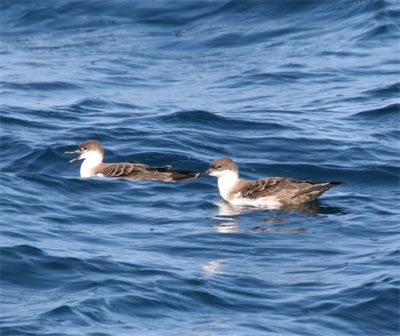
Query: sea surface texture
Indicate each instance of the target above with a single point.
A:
(302, 89)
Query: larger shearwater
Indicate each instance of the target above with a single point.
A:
(268, 192)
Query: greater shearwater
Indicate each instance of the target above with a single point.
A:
(269, 192)
(92, 152)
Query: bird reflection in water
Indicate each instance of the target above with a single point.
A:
(213, 267)
(228, 217)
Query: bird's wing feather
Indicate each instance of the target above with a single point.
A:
(268, 187)
(122, 169)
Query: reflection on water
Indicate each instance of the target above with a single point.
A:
(226, 226)
(213, 267)
(269, 229)
(228, 217)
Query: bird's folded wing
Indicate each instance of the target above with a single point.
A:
(268, 187)
(122, 169)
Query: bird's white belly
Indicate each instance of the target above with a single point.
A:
(269, 202)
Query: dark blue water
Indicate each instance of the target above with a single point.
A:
(305, 89)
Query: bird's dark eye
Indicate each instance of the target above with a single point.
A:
(215, 167)
(83, 148)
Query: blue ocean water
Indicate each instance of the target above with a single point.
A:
(305, 89)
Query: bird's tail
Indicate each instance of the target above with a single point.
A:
(316, 190)
(175, 175)
(182, 175)
(335, 183)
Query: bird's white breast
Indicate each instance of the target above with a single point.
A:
(89, 165)
(226, 185)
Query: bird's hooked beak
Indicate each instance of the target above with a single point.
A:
(76, 151)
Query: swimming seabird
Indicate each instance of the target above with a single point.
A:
(92, 152)
(268, 192)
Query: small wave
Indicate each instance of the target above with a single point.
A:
(343, 54)
(97, 104)
(19, 122)
(65, 313)
(392, 110)
(41, 86)
(230, 40)
(24, 159)
(388, 91)
(379, 31)
(90, 103)
(20, 251)
(36, 267)
(205, 118)
(17, 117)
(254, 79)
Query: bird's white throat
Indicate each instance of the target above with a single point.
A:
(226, 183)
(91, 161)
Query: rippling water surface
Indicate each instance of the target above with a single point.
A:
(306, 89)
